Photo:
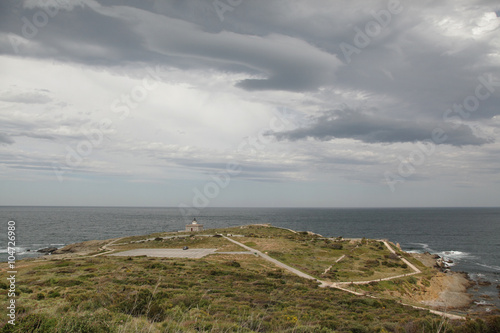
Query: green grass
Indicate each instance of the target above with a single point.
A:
(212, 294)
(194, 242)
(367, 260)
(218, 293)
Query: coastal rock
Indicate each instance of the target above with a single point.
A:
(441, 264)
(82, 248)
(483, 283)
(47, 250)
(447, 291)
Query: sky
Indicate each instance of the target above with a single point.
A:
(239, 103)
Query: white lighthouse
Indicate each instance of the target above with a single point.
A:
(194, 226)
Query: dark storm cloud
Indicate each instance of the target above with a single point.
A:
(100, 35)
(371, 128)
(415, 68)
(287, 45)
(77, 35)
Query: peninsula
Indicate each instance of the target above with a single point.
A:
(255, 278)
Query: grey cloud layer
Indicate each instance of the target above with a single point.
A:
(415, 63)
(4, 139)
(371, 128)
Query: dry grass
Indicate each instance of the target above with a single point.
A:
(218, 293)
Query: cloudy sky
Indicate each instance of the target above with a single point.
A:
(195, 103)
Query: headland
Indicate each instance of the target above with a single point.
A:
(254, 278)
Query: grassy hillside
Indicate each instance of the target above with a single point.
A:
(218, 293)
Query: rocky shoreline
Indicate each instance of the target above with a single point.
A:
(452, 290)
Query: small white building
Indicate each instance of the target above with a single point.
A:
(194, 226)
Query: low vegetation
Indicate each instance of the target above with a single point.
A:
(218, 293)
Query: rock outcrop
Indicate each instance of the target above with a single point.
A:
(47, 250)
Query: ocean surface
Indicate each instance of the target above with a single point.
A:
(468, 236)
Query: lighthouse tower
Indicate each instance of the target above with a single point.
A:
(194, 226)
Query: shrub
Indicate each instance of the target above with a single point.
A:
(64, 263)
(278, 274)
(372, 263)
(156, 265)
(358, 328)
(25, 290)
(33, 322)
(393, 256)
(493, 324)
(67, 282)
(412, 280)
(233, 263)
(156, 312)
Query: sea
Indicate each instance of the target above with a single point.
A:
(469, 237)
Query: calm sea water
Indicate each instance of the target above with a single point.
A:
(468, 236)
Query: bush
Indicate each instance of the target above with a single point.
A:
(64, 263)
(233, 263)
(156, 265)
(336, 246)
(358, 328)
(393, 256)
(412, 280)
(372, 263)
(34, 322)
(67, 282)
(493, 324)
(25, 290)
(89, 323)
(275, 274)
(156, 312)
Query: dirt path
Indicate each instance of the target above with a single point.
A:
(276, 262)
(413, 267)
(105, 247)
(338, 285)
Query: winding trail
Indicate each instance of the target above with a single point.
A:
(413, 267)
(276, 262)
(105, 247)
(338, 285)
